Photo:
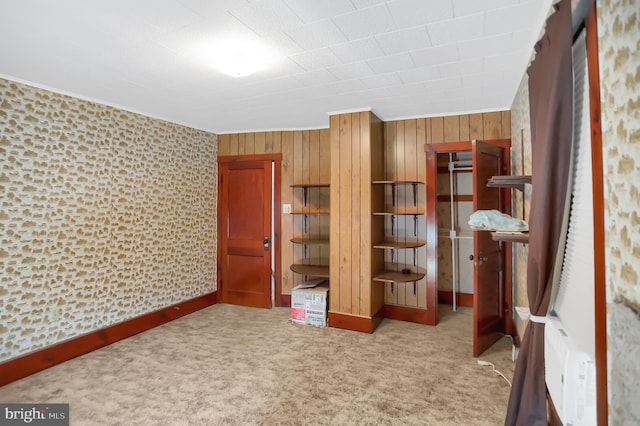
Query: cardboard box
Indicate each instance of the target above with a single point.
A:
(309, 302)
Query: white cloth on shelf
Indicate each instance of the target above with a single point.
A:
(493, 220)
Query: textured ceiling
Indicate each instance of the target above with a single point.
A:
(401, 58)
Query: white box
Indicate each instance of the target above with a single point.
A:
(309, 303)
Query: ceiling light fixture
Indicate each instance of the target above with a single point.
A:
(239, 58)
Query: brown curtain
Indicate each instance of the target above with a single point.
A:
(551, 102)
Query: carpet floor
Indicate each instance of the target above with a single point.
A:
(230, 365)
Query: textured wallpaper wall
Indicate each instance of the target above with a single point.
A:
(104, 215)
(619, 57)
(521, 165)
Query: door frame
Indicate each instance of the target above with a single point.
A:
(431, 151)
(276, 243)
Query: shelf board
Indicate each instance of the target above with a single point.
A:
(310, 185)
(400, 244)
(399, 213)
(321, 271)
(309, 212)
(517, 182)
(510, 238)
(397, 182)
(397, 277)
(310, 241)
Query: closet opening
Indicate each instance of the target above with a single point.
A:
(465, 267)
(455, 238)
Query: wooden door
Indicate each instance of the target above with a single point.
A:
(488, 302)
(245, 232)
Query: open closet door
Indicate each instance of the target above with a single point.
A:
(488, 302)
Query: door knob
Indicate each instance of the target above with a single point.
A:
(265, 243)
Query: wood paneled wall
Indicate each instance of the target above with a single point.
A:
(365, 150)
(353, 291)
(405, 160)
(305, 159)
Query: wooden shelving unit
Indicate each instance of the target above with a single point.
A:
(397, 277)
(305, 188)
(516, 182)
(310, 241)
(309, 212)
(393, 244)
(510, 238)
(399, 213)
(400, 242)
(314, 268)
(320, 271)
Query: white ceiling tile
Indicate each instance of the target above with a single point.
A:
(484, 46)
(365, 22)
(359, 50)
(404, 40)
(462, 92)
(314, 59)
(444, 84)
(280, 42)
(371, 96)
(523, 40)
(381, 80)
(411, 13)
(267, 16)
(506, 61)
(192, 39)
(283, 66)
(513, 18)
(212, 9)
(362, 4)
(346, 86)
(475, 103)
(395, 106)
(350, 71)
(471, 66)
(436, 55)
(449, 106)
(420, 74)
(311, 11)
(166, 15)
(120, 22)
(450, 31)
(278, 85)
(480, 79)
(467, 7)
(316, 77)
(140, 55)
(385, 64)
(498, 101)
(317, 34)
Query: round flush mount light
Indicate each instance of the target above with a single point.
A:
(239, 58)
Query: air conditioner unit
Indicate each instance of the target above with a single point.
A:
(570, 375)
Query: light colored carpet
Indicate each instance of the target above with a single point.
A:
(230, 365)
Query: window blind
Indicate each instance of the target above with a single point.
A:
(575, 299)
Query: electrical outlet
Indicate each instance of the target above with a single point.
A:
(286, 208)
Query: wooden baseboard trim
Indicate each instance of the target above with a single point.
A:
(405, 313)
(462, 299)
(285, 301)
(34, 362)
(355, 323)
